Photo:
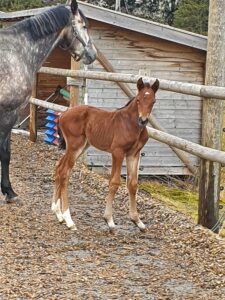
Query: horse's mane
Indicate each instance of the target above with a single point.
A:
(46, 23)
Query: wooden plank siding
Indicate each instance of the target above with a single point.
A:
(179, 114)
(47, 84)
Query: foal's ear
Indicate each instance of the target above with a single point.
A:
(155, 86)
(140, 84)
(73, 4)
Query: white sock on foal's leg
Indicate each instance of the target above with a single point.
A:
(57, 210)
(141, 225)
(69, 222)
(111, 224)
(108, 216)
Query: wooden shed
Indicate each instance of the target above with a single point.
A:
(137, 46)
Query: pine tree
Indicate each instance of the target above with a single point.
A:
(192, 15)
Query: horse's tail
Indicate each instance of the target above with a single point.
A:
(62, 143)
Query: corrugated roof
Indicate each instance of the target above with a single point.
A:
(125, 21)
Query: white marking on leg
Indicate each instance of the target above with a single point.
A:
(69, 222)
(108, 215)
(141, 225)
(111, 223)
(57, 210)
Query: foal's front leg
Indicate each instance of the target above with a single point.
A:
(132, 182)
(117, 160)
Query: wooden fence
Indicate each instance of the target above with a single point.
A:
(179, 87)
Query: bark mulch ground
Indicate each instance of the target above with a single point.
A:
(42, 259)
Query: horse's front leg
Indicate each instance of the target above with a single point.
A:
(117, 160)
(132, 182)
(5, 154)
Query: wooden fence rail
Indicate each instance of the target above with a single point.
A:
(48, 105)
(195, 149)
(174, 86)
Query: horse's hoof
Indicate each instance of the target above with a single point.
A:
(13, 200)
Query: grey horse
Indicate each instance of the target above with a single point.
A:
(24, 47)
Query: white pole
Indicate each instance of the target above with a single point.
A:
(117, 6)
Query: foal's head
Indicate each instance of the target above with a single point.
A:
(76, 37)
(145, 100)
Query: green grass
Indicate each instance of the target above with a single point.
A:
(179, 199)
(182, 200)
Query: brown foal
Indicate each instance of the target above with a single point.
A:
(122, 133)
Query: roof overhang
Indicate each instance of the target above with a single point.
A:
(125, 21)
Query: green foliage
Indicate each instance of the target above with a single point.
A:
(156, 10)
(14, 5)
(192, 15)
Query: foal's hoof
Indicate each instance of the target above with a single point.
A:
(72, 227)
(110, 224)
(144, 229)
(140, 225)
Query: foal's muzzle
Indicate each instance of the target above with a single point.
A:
(142, 123)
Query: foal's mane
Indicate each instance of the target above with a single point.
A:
(146, 84)
(128, 103)
(51, 21)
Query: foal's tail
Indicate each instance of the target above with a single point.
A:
(62, 143)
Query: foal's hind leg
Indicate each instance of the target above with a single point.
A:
(56, 202)
(132, 182)
(60, 203)
(60, 199)
(117, 160)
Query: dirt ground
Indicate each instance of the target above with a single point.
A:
(42, 259)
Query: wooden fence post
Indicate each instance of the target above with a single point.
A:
(212, 116)
(74, 90)
(33, 114)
